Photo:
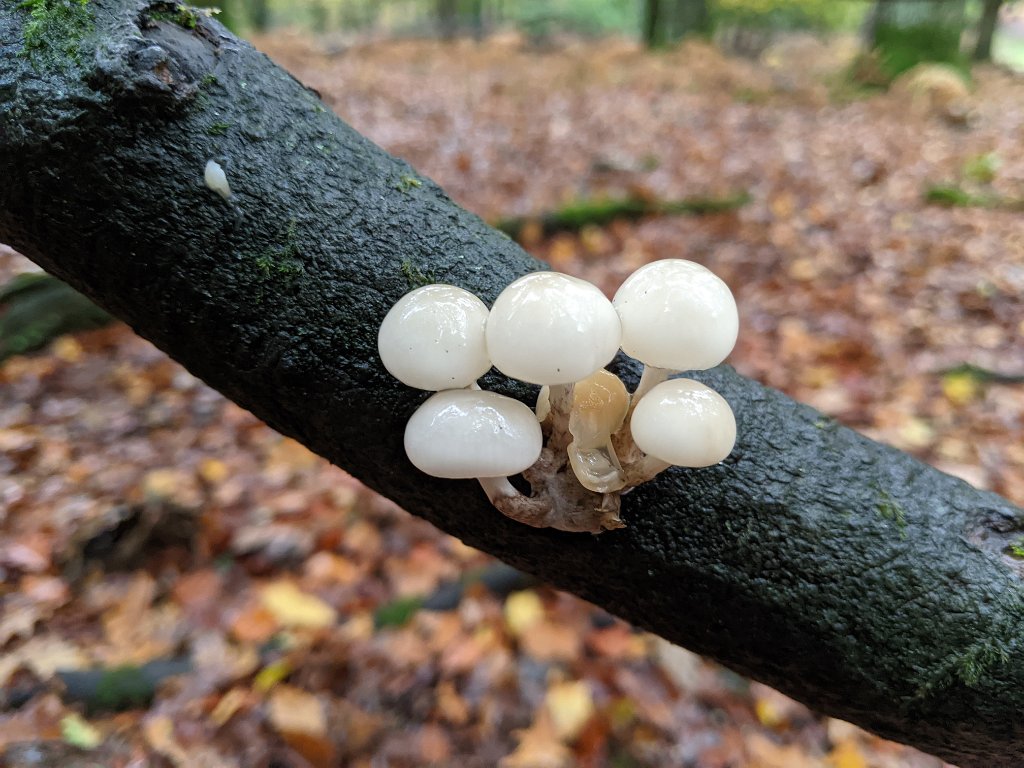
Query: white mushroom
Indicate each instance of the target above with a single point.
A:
(599, 406)
(216, 179)
(685, 423)
(465, 433)
(433, 338)
(550, 328)
(676, 316)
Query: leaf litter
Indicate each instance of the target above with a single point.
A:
(858, 297)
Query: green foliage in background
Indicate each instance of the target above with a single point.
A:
(902, 47)
(819, 15)
(587, 17)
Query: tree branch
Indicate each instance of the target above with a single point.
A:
(841, 571)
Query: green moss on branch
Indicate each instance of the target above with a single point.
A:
(55, 29)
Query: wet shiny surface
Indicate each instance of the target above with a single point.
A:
(678, 315)
(472, 433)
(683, 422)
(549, 328)
(599, 406)
(433, 338)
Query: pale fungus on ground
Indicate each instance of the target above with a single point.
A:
(588, 441)
(216, 179)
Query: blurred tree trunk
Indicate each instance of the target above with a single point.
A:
(841, 571)
(259, 14)
(668, 21)
(987, 29)
(653, 24)
(447, 14)
(869, 31)
(474, 16)
(691, 18)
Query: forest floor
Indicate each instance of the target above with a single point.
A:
(148, 526)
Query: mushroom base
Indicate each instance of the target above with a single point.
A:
(558, 499)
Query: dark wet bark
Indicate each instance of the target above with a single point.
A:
(841, 571)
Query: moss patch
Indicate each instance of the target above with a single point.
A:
(279, 263)
(416, 277)
(890, 510)
(218, 129)
(407, 183)
(54, 31)
(175, 13)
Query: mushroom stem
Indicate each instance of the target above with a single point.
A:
(649, 379)
(498, 488)
(645, 469)
(560, 399)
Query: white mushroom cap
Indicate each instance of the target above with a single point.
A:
(677, 315)
(463, 433)
(433, 338)
(683, 422)
(549, 328)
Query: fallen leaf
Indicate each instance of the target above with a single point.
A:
(522, 611)
(300, 719)
(960, 388)
(78, 732)
(292, 607)
(271, 675)
(44, 655)
(570, 705)
(539, 746)
(552, 641)
(254, 623)
(293, 710)
(846, 754)
(231, 702)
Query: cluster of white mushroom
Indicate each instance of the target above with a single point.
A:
(559, 332)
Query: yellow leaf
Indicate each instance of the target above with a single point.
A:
(768, 714)
(271, 675)
(570, 706)
(960, 388)
(77, 732)
(294, 608)
(68, 349)
(213, 471)
(522, 611)
(230, 703)
(847, 755)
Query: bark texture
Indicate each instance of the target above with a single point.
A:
(841, 571)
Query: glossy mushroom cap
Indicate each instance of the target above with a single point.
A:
(683, 422)
(464, 433)
(433, 338)
(549, 328)
(677, 315)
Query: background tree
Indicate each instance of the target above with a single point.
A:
(842, 571)
(667, 21)
(986, 29)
